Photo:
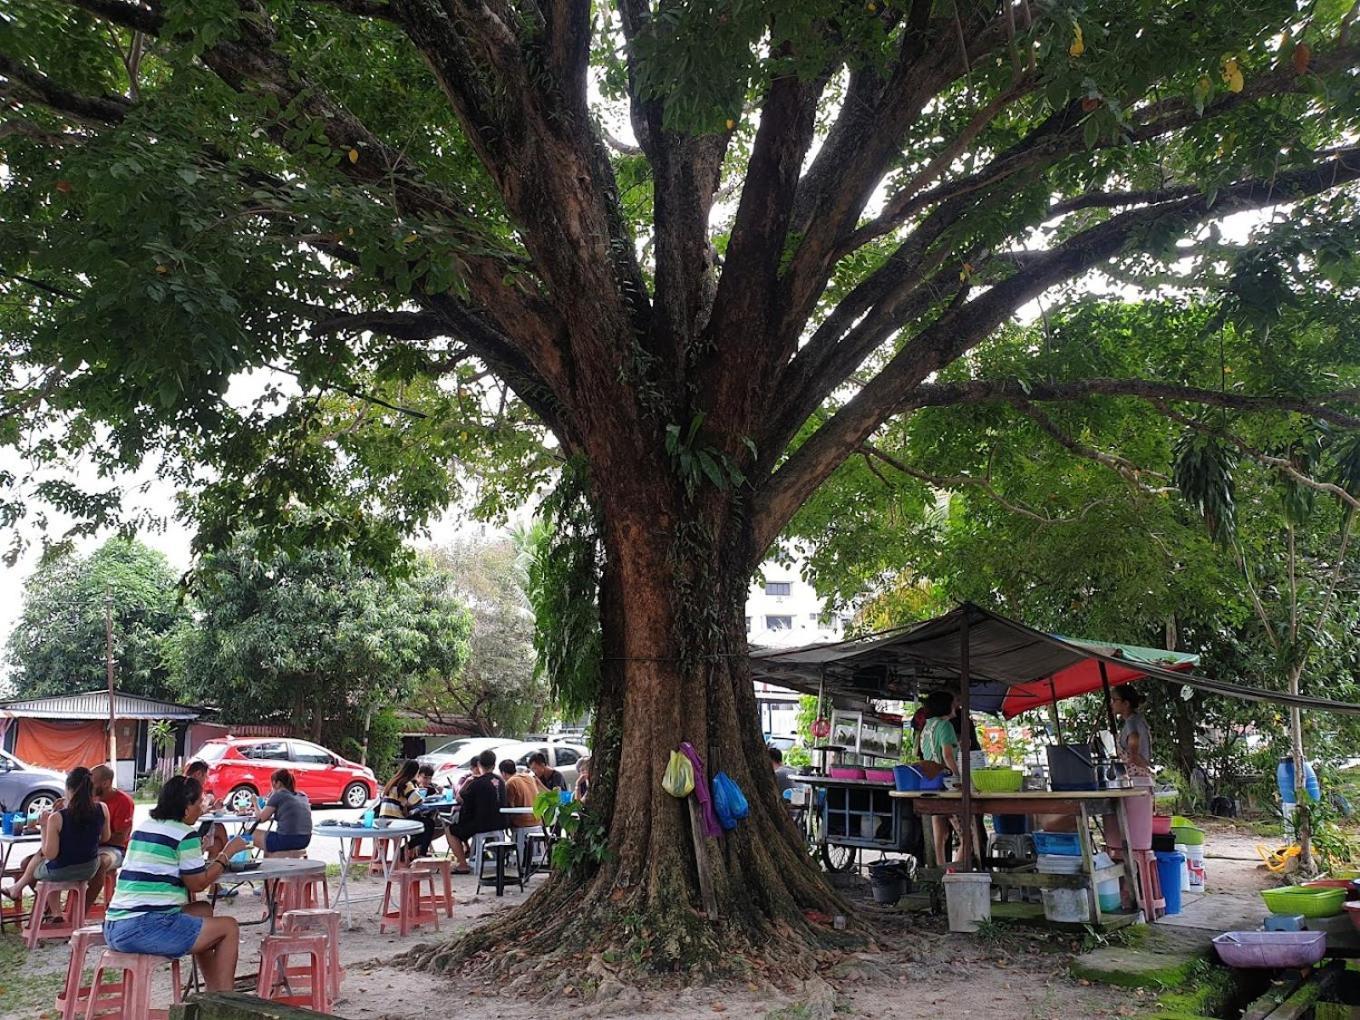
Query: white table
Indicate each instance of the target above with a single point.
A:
(398, 829)
(7, 845)
(269, 869)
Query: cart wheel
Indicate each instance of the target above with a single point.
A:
(839, 858)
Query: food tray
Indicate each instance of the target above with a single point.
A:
(1271, 949)
(997, 780)
(1310, 902)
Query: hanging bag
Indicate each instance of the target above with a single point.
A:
(678, 779)
(728, 801)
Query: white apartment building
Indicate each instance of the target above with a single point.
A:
(783, 611)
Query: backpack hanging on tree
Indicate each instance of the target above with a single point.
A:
(728, 801)
(678, 779)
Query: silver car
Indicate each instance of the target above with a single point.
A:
(24, 787)
(453, 761)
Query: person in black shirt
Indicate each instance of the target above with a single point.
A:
(550, 778)
(482, 799)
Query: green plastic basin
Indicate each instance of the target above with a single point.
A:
(1305, 900)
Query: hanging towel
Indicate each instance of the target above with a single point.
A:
(711, 826)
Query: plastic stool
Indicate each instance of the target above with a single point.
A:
(413, 909)
(356, 851)
(443, 867)
(383, 847)
(501, 849)
(275, 950)
(1149, 882)
(300, 892)
(131, 995)
(71, 999)
(327, 922)
(72, 915)
(95, 911)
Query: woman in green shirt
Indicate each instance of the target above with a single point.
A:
(940, 744)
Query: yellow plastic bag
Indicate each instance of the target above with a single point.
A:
(678, 779)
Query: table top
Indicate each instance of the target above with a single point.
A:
(278, 867)
(517, 810)
(357, 830)
(878, 784)
(27, 837)
(226, 819)
(1038, 796)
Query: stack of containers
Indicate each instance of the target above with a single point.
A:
(1060, 854)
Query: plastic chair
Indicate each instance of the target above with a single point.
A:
(300, 892)
(63, 925)
(356, 851)
(130, 997)
(70, 1001)
(95, 911)
(327, 922)
(500, 850)
(443, 867)
(532, 844)
(275, 951)
(1149, 882)
(414, 909)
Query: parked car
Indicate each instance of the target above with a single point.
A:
(453, 761)
(24, 786)
(239, 769)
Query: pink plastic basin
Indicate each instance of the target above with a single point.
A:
(1161, 825)
(847, 772)
(1271, 949)
(879, 775)
(1353, 912)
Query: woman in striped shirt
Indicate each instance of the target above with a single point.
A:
(151, 911)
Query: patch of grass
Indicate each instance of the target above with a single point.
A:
(797, 1011)
(23, 992)
(357, 869)
(993, 931)
(1266, 827)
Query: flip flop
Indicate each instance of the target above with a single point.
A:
(462, 871)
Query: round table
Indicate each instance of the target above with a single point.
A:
(398, 829)
(7, 844)
(269, 869)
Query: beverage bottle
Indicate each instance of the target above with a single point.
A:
(368, 819)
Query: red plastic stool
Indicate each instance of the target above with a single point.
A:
(130, 997)
(64, 925)
(443, 867)
(71, 1000)
(275, 951)
(356, 851)
(95, 911)
(383, 848)
(301, 892)
(1149, 882)
(327, 922)
(414, 908)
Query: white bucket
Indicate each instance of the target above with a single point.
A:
(968, 898)
(1071, 905)
(1194, 861)
(1107, 891)
(1184, 851)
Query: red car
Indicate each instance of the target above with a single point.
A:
(239, 769)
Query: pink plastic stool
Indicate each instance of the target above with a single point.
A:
(130, 997)
(414, 908)
(1149, 882)
(275, 951)
(64, 925)
(443, 867)
(327, 922)
(71, 1000)
(96, 910)
(302, 892)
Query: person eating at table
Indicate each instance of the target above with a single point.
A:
(549, 777)
(521, 790)
(291, 813)
(151, 913)
(213, 834)
(70, 839)
(398, 797)
(425, 780)
(114, 849)
(481, 797)
(940, 744)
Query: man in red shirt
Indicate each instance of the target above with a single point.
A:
(120, 829)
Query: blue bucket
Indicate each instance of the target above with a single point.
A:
(1169, 866)
(906, 778)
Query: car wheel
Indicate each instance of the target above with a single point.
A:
(43, 800)
(240, 800)
(356, 795)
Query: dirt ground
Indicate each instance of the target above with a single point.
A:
(918, 970)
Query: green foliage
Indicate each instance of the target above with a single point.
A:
(561, 565)
(585, 844)
(316, 638)
(58, 644)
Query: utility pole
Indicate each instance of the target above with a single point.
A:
(108, 663)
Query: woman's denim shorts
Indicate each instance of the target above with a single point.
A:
(169, 933)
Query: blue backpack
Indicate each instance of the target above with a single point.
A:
(728, 801)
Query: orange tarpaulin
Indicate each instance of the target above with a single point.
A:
(60, 745)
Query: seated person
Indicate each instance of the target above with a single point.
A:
(151, 912)
(481, 812)
(521, 790)
(425, 781)
(70, 839)
(397, 799)
(550, 778)
(582, 790)
(114, 849)
(213, 834)
(291, 813)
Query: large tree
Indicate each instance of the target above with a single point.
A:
(821, 205)
(60, 643)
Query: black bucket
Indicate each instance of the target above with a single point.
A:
(889, 881)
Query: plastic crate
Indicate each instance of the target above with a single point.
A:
(1057, 844)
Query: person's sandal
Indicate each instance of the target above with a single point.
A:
(462, 871)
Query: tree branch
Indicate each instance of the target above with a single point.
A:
(136, 16)
(1123, 467)
(379, 9)
(102, 110)
(954, 482)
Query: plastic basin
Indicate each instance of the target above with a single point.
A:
(845, 772)
(1271, 949)
(879, 775)
(1301, 899)
(1189, 835)
(906, 778)
(997, 780)
(1161, 825)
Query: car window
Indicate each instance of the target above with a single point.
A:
(211, 752)
(453, 747)
(311, 754)
(523, 760)
(266, 750)
(565, 755)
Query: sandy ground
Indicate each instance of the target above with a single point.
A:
(919, 969)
